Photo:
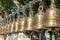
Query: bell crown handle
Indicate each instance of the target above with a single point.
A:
(40, 9)
(30, 13)
(52, 4)
(52, 1)
(24, 14)
(23, 17)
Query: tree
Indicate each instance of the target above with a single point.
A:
(9, 4)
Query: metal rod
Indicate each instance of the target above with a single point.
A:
(27, 5)
(16, 3)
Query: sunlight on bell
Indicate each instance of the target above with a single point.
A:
(52, 23)
(29, 20)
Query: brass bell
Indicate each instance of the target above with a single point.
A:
(16, 24)
(21, 24)
(29, 22)
(2, 30)
(13, 25)
(5, 28)
(39, 19)
(9, 24)
(52, 16)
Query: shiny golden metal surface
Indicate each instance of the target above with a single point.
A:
(21, 24)
(13, 26)
(9, 27)
(1, 31)
(39, 19)
(5, 28)
(52, 16)
(29, 22)
(16, 24)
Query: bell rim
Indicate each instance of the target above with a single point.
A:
(52, 26)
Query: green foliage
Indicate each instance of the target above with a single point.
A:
(57, 3)
(10, 4)
(58, 37)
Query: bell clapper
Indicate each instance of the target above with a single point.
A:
(53, 34)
